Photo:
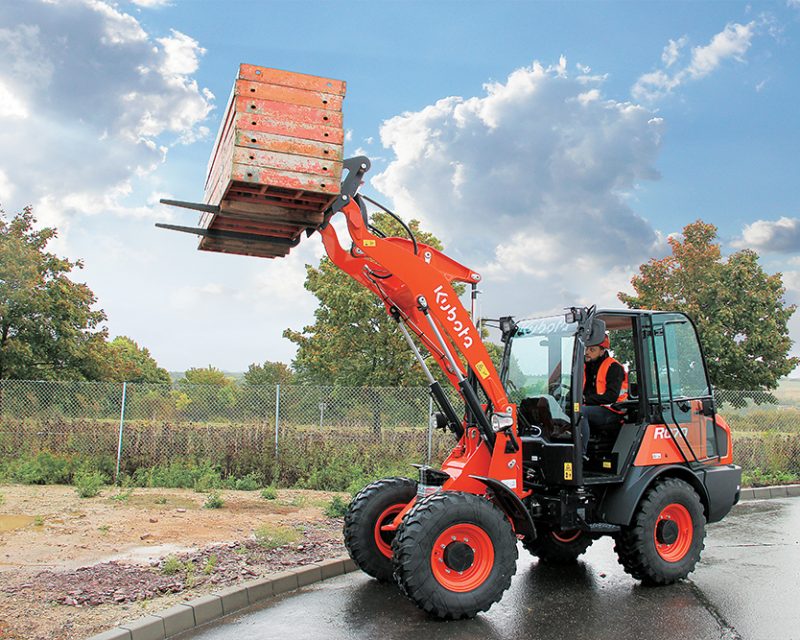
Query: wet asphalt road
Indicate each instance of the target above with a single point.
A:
(746, 587)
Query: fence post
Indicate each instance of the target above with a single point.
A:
(121, 423)
(277, 424)
(430, 427)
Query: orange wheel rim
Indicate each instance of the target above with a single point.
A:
(462, 557)
(566, 536)
(383, 539)
(673, 532)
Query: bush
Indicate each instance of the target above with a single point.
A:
(43, 468)
(250, 482)
(208, 481)
(271, 537)
(88, 483)
(337, 507)
(214, 501)
(269, 493)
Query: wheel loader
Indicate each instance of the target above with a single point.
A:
(517, 473)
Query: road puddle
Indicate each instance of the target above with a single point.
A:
(10, 523)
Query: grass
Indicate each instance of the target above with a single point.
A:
(122, 496)
(38, 521)
(337, 507)
(269, 493)
(2, 499)
(171, 566)
(210, 565)
(272, 537)
(103, 528)
(88, 483)
(214, 500)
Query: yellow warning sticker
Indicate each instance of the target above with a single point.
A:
(606, 464)
(482, 370)
(567, 471)
(369, 243)
(576, 407)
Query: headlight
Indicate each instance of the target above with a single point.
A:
(501, 421)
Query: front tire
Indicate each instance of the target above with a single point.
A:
(665, 539)
(375, 505)
(454, 554)
(558, 547)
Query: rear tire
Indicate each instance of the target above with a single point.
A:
(558, 547)
(375, 505)
(665, 539)
(454, 554)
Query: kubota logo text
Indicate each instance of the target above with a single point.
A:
(450, 309)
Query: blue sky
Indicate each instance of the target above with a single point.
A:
(552, 146)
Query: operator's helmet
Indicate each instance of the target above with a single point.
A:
(605, 343)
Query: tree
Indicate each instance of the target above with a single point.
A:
(269, 373)
(48, 328)
(738, 308)
(131, 363)
(211, 394)
(353, 341)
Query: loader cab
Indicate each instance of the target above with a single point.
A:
(542, 370)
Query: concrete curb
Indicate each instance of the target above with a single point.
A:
(765, 493)
(188, 615)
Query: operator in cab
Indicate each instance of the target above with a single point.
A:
(604, 382)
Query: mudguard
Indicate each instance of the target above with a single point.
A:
(513, 507)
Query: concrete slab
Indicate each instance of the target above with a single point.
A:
(233, 598)
(284, 581)
(113, 634)
(761, 493)
(331, 568)
(258, 590)
(349, 565)
(206, 609)
(746, 494)
(176, 619)
(793, 490)
(308, 575)
(777, 492)
(147, 628)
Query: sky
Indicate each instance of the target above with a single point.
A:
(553, 147)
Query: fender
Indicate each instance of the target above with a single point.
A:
(620, 502)
(511, 505)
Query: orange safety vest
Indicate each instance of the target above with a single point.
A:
(602, 371)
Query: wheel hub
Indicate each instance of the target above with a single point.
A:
(458, 556)
(667, 532)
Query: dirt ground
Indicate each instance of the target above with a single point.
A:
(71, 567)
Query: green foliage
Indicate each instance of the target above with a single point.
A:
(759, 478)
(269, 493)
(739, 309)
(171, 566)
(249, 482)
(88, 483)
(209, 393)
(272, 537)
(269, 373)
(131, 363)
(353, 341)
(43, 468)
(210, 564)
(214, 500)
(2, 499)
(121, 496)
(208, 481)
(337, 507)
(38, 521)
(48, 329)
(180, 474)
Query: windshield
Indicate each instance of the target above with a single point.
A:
(540, 362)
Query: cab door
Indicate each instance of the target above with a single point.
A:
(680, 394)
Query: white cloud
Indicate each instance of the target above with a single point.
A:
(732, 42)
(110, 99)
(152, 4)
(528, 182)
(780, 236)
(672, 51)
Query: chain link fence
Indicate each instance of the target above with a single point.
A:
(300, 436)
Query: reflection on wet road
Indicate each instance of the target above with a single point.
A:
(745, 587)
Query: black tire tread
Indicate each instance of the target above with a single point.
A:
(411, 561)
(547, 549)
(358, 530)
(630, 543)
